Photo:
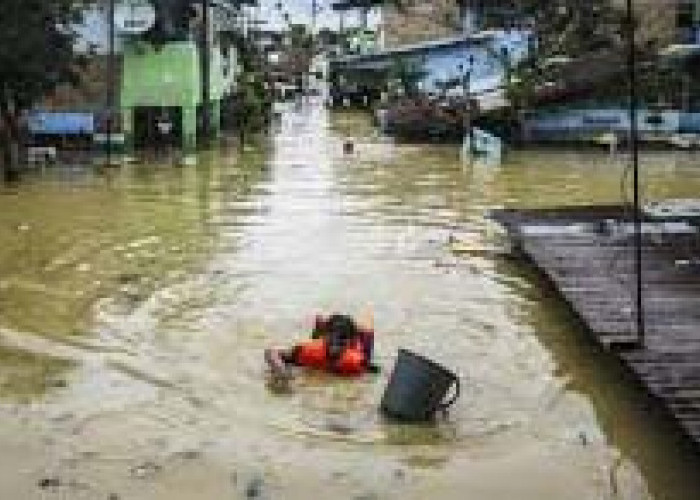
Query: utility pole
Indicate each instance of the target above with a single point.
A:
(111, 91)
(463, 13)
(466, 85)
(634, 143)
(468, 113)
(364, 17)
(205, 55)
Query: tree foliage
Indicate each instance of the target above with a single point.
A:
(253, 98)
(407, 74)
(562, 30)
(35, 48)
(577, 26)
(36, 54)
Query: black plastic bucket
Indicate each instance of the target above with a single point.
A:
(417, 388)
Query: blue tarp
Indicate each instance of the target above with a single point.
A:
(61, 123)
(689, 123)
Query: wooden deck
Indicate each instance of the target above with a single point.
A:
(587, 253)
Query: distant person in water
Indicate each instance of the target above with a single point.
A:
(337, 345)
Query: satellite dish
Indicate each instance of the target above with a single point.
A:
(134, 17)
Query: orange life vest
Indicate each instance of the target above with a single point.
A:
(314, 354)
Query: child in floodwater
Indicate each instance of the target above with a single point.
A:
(338, 345)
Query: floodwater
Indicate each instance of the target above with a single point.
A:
(135, 304)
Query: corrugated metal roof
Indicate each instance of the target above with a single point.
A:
(471, 39)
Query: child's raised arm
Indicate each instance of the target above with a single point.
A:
(365, 320)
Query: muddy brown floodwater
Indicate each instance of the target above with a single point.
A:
(135, 304)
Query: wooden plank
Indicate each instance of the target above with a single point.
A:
(594, 274)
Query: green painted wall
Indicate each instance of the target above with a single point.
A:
(168, 76)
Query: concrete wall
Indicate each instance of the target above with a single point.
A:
(170, 75)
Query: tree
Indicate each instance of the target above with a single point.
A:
(253, 94)
(36, 54)
(407, 74)
(563, 30)
(573, 27)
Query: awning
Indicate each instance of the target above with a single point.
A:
(61, 123)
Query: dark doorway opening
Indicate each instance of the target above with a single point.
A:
(157, 127)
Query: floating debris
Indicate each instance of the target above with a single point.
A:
(49, 482)
(189, 161)
(254, 489)
(367, 496)
(189, 454)
(145, 470)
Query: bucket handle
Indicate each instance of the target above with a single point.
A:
(443, 407)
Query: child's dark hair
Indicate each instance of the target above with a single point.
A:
(341, 325)
(339, 331)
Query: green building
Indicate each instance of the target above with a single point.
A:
(162, 86)
(161, 90)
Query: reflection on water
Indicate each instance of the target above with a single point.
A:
(25, 376)
(161, 285)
